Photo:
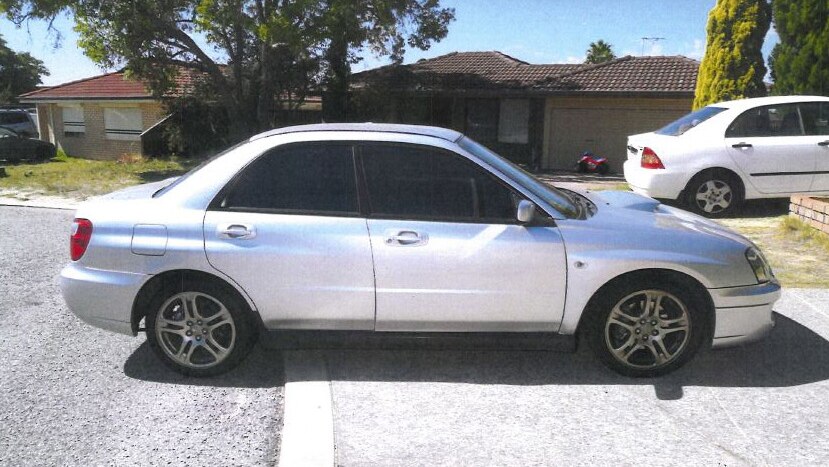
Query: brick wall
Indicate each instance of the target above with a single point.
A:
(93, 144)
(812, 211)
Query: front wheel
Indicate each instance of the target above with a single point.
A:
(646, 329)
(201, 330)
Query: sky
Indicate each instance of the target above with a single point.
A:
(536, 31)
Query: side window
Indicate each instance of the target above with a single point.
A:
(815, 118)
(315, 179)
(412, 182)
(766, 121)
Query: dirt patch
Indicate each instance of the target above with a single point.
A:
(797, 261)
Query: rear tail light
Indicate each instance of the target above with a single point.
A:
(79, 240)
(650, 160)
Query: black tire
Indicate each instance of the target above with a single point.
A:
(212, 337)
(646, 345)
(714, 193)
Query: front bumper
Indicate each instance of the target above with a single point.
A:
(656, 183)
(101, 298)
(744, 314)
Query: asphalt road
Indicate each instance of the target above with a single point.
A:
(74, 395)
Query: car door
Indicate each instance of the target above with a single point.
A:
(816, 126)
(767, 143)
(448, 252)
(288, 230)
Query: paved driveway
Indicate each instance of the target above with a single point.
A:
(761, 404)
(74, 395)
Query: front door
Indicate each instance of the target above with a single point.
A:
(449, 255)
(288, 230)
(768, 145)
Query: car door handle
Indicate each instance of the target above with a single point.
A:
(406, 238)
(823, 143)
(741, 145)
(236, 231)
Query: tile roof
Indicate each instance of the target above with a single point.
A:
(495, 70)
(113, 85)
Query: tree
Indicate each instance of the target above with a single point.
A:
(800, 61)
(599, 52)
(733, 66)
(275, 51)
(19, 73)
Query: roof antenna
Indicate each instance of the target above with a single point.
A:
(652, 40)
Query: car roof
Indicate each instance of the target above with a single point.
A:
(422, 130)
(771, 100)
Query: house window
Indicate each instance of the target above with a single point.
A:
(123, 123)
(73, 121)
(482, 119)
(513, 121)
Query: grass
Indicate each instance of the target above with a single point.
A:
(81, 178)
(797, 252)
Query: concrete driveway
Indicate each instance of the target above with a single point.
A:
(763, 404)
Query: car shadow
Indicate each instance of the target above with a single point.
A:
(791, 355)
(261, 369)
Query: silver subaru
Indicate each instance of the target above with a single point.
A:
(376, 231)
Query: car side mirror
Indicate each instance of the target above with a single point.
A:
(525, 211)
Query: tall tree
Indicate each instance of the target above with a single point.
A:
(599, 52)
(800, 61)
(733, 66)
(275, 50)
(19, 73)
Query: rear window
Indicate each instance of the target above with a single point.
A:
(11, 118)
(679, 127)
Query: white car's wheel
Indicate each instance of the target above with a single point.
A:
(714, 193)
(646, 328)
(200, 330)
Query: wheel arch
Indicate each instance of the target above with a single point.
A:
(733, 173)
(698, 291)
(170, 280)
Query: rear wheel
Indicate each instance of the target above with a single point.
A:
(647, 328)
(200, 330)
(714, 193)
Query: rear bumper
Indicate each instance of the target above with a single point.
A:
(656, 183)
(744, 314)
(103, 299)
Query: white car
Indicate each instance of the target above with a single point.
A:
(717, 157)
(364, 231)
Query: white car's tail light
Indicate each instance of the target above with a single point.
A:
(79, 240)
(650, 160)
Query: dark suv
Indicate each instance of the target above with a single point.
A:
(19, 121)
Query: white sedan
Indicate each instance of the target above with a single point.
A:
(717, 157)
(363, 231)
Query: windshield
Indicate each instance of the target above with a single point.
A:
(689, 121)
(553, 196)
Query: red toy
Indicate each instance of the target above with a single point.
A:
(591, 163)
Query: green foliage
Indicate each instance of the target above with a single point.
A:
(19, 73)
(733, 66)
(599, 52)
(800, 61)
(195, 127)
(275, 51)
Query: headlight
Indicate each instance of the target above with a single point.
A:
(759, 265)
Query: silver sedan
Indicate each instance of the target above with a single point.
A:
(395, 231)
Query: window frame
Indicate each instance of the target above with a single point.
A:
(541, 218)
(757, 108)
(219, 198)
(124, 134)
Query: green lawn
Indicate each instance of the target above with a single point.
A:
(81, 178)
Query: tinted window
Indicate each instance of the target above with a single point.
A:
(417, 182)
(815, 117)
(307, 178)
(10, 118)
(689, 121)
(766, 121)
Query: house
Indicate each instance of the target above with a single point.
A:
(541, 115)
(102, 117)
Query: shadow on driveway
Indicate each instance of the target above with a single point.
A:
(261, 369)
(792, 355)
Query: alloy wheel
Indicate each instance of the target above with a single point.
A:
(714, 196)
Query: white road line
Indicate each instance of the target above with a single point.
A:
(308, 427)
